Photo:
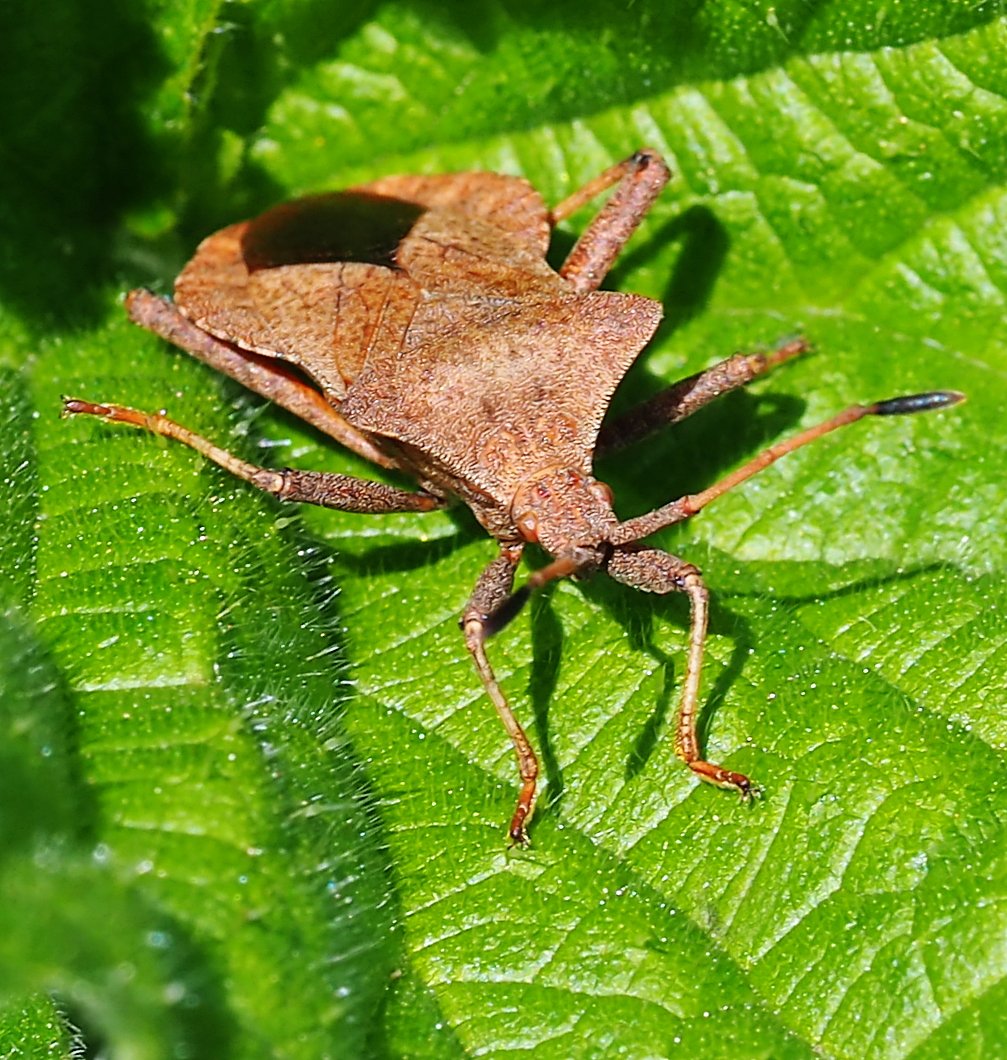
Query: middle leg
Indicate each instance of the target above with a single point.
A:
(689, 395)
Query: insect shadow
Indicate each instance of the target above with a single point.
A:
(756, 420)
(704, 247)
(547, 647)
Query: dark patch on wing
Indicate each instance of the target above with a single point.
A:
(343, 226)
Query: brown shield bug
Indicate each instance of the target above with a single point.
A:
(432, 337)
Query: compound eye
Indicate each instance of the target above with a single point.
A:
(603, 492)
(527, 526)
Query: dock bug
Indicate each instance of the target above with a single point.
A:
(430, 336)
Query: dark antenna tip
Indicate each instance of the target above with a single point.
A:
(901, 406)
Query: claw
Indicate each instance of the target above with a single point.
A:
(725, 778)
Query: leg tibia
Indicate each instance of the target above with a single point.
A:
(653, 571)
(491, 590)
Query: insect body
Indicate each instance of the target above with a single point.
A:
(436, 340)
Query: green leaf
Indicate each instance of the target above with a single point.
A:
(252, 798)
(34, 1028)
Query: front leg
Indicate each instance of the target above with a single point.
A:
(655, 571)
(492, 589)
